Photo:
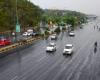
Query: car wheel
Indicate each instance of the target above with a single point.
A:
(64, 54)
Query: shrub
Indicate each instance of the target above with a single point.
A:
(57, 30)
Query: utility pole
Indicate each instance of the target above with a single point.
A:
(17, 22)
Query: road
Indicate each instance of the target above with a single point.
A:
(34, 63)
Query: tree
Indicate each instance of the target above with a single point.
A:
(28, 14)
(67, 17)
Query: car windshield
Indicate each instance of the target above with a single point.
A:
(2, 38)
(71, 32)
(51, 45)
(54, 34)
(68, 47)
(25, 32)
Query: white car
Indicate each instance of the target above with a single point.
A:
(51, 47)
(68, 49)
(25, 34)
(71, 33)
(29, 34)
(53, 36)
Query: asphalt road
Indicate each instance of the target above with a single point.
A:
(34, 63)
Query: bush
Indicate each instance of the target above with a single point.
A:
(42, 35)
(63, 28)
(57, 30)
(46, 32)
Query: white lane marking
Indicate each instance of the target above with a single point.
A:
(15, 78)
(84, 63)
(71, 62)
(49, 69)
(41, 58)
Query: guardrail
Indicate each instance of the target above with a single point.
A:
(18, 44)
(7, 48)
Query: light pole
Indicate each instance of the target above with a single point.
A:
(17, 22)
(16, 12)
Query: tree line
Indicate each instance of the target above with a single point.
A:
(61, 17)
(31, 15)
(28, 14)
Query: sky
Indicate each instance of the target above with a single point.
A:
(85, 6)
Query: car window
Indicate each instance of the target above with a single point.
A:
(51, 45)
(68, 47)
(2, 38)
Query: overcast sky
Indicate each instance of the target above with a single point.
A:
(85, 6)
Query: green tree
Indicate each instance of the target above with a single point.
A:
(28, 14)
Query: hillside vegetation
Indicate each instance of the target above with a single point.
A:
(30, 15)
(62, 17)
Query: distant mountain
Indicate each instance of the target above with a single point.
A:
(63, 12)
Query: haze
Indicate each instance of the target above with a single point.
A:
(85, 6)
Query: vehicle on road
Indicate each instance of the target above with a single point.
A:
(53, 37)
(95, 44)
(27, 34)
(35, 34)
(81, 27)
(68, 49)
(71, 33)
(4, 41)
(51, 47)
(30, 32)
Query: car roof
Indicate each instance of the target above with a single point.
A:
(52, 43)
(2, 38)
(69, 45)
(54, 34)
(25, 32)
(72, 32)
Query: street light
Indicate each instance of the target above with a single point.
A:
(17, 22)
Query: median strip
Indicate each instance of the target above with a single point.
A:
(18, 44)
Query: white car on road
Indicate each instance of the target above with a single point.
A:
(51, 47)
(68, 49)
(71, 33)
(26, 34)
(53, 36)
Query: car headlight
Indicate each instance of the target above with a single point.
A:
(64, 51)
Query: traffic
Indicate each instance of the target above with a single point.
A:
(60, 58)
(49, 40)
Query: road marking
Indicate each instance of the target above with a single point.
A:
(15, 78)
(84, 63)
(41, 58)
(50, 69)
(70, 63)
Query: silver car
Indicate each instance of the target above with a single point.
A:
(51, 47)
(71, 33)
(68, 49)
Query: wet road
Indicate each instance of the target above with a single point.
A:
(34, 63)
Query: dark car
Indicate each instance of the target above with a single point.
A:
(35, 34)
(81, 27)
